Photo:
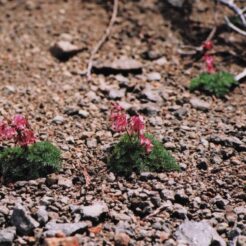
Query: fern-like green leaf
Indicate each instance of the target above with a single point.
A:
(130, 156)
(32, 162)
(217, 84)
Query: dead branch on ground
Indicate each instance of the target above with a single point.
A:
(103, 39)
(239, 12)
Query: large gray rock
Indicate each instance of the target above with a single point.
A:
(92, 212)
(68, 229)
(198, 234)
(7, 236)
(123, 65)
(23, 222)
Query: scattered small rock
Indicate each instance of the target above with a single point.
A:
(228, 141)
(181, 113)
(202, 165)
(91, 143)
(122, 239)
(83, 113)
(241, 240)
(181, 198)
(154, 76)
(116, 94)
(151, 55)
(151, 95)
(65, 241)
(179, 212)
(58, 119)
(65, 182)
(170, 145)
(63, 50)
(7, 236)
(200, 104)
(51, 179)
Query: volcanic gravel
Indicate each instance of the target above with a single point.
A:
(206, 135)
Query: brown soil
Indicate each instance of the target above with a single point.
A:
(36, 84)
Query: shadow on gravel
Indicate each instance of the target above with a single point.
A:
(191, 32)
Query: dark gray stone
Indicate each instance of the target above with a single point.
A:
(179, 212)
(181, 198)
(202, 165)
(23, 222)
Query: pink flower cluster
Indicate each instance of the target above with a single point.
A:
(18, 130)
(208, 59)
(132, 126)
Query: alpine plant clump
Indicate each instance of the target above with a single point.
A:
(26, 159)
(212, 82)
(136, 151)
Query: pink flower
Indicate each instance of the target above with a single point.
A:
(6, 132)
(136, 124)
(9, 132)
(19, 122)
(2, 128)
(119, 122)
(118, 118)
(26, 137)
(207, 45)
(146, 143)
(116, 107)
(209, 62)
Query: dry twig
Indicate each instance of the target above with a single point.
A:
(239, 12)
(235, 8)
(235, 28)
(192, 50)
(103, 39)
(87, 177)
(241, 75)
(157, 211)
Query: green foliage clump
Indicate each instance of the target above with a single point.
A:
(217, 84)
(130, 156)
(34, 161)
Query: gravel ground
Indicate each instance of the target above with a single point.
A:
(206, 135)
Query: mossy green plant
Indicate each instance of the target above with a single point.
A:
(218, 84)
(31, 162)
(128, 156)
